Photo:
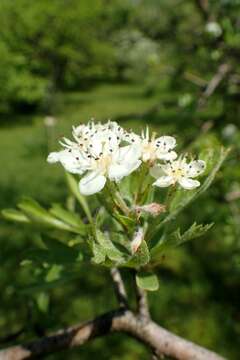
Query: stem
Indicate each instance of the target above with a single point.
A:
(169, 196)
(139, 193)
(142, 302)
(119, 287)
(122, 204)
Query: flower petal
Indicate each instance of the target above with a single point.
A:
(73, 161)
(128, 153)
(164, 181)
(195, 168)
(132, 166)
(166, 142)
(53, 157)
(169, 155)
(189, 184)
(92, 183)
(156, 171)
(116, 172)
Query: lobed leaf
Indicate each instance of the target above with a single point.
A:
(176, 238)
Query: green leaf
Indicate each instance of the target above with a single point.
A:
(125, 220)
(42, 300)
(147, 281)
(176, 238)
(68, 217)
(111, 251)
(99, 254)
(74, 188)
(42, 285)
(193, 232)
(54, 273)
(55, 253)
(61, 253)
(15, 215)
(38, 214)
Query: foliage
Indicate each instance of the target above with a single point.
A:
(198, 293)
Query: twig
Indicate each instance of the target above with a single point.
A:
(203, 7)
(221, 73)
(142, 304)
(12, 337)
(119, 288)
(154, 336)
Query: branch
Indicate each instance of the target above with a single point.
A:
(221, 73)
(203, 7)
(142, 303)
(161, 341)
(119, 288)
(12, 336)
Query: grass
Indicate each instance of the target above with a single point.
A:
(25, 142)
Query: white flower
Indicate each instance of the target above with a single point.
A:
(214, 28)
(153, 148)
(180, 172)
(108, 163)
(97, 154)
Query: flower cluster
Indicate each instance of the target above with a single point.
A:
(101, 152)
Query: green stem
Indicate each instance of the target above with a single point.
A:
(122, 204)
(140, 191)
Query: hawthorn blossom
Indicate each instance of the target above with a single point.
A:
(152, 148)
(178, 171)
(97, 154)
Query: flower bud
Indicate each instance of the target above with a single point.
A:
(153, 209)
(138, 237)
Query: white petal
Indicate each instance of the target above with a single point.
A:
(167, 142)
(133, 166)
(129, 153)
(53, 157)
(164, 181)
(167, 168)
(156, 171)
(172, 155)
(73, 161)
(188, 184)
(116, 172)
(195, 168)
(92, 183)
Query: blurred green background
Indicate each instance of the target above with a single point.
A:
(171, 64)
